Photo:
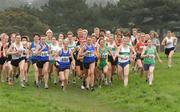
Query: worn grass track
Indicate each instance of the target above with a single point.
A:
(163, 96)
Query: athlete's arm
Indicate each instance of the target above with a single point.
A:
(175, 41)
(10, 51)
(157, 55)
(4, 50)
(133, 50)
(81, 52)
(164, 42)
(79, 57)
(71, 55)
(97, 53)
(142, 54)
(117, 52)
(109, 52)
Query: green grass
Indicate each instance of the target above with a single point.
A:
(163, 96)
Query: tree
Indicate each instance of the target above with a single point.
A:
(16, 20)
(151, 14)
(64, 15)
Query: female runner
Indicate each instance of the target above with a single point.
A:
(18, 62)
(54, 51)
(3, 58)
(112, 63)
(139, 48)
(63, 63)
(43, 60)
(88, 52)
(169, 42)
(34, 58)
(79, 64)
(26, 53)
(102, 64)
(123, 54)
(149, 53)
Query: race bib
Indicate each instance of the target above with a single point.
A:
(44, 53)
(104, 55)
(63, 59)
(90, 54)
(152, 56)
(123, 58)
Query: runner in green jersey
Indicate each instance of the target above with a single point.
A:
(149, 53)
(103, 62)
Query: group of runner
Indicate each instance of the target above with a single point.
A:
(92, 59)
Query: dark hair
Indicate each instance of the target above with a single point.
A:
(43, 35)
(119, 35)
(36, 34)
(118, 31)
(103, 30)
(127, 34)
(100, 40)
(24, 37)
(101, 36)
(88, 37)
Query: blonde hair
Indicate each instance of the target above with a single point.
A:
(49, 31)
(96, 28)
(65, 40)
(125, 38)
(85, 30)
(4, 35)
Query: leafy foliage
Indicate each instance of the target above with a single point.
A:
(64, 15)
(17, 20)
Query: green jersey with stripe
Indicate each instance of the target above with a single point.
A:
(112, 48)
(72, 46)
(151, 51)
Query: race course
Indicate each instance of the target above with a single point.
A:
(163, 96)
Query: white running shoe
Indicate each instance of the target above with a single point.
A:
(106, 82)
(82, 87)
(169, 66)
(46, 86)
(22, 84)
(150, 83)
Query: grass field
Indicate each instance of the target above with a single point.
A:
(163, 96)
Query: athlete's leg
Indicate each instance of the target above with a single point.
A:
(126, 73)
(151, 74)
(46, 74)
(170, 58)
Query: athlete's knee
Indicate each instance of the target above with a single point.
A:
(62, 78)
(21, 69)
(141, 67)
(126, 75)
(45, 72)
(169, 57)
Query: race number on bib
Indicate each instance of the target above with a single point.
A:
(90, 54)
(45, 53)
(104, 55)
(123, 58)
(63, 59)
